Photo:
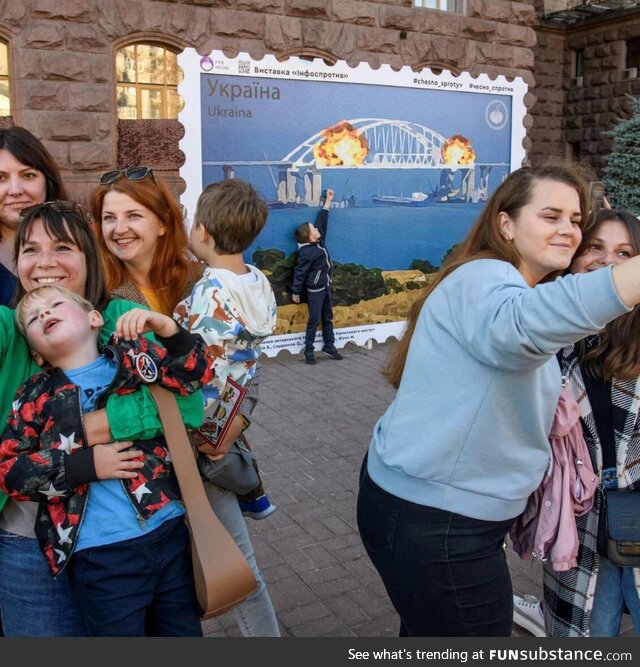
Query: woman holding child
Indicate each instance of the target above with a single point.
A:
(438, 495)
(57, 248)
(123, 541)
(146, 256)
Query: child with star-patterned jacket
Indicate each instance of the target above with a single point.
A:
(44, 455)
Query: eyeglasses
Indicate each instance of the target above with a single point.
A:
(57, 205)
(132, 173)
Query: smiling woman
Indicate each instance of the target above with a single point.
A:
(143, 240)
(546, 233)
(603, 372)
(438, 495)
(147, 259)
(52, 249)
(28, 175)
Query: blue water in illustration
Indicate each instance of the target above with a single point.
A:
(383, 237)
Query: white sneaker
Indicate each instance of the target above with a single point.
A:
(528, 614)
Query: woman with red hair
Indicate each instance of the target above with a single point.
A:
(143, 240)
(146, 258)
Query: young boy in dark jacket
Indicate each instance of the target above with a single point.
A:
(110, 514)
(312, 272)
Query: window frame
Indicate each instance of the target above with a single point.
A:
(578, 62)
(459, 6)
(141, 87)
(6, 77)
(632, 55)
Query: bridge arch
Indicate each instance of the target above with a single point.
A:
(392, 143)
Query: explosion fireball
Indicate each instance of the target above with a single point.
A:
(458, 151)
(341, 146)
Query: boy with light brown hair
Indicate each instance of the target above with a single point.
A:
(232, 306)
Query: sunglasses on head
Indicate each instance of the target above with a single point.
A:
(132, 173)
(57, 205)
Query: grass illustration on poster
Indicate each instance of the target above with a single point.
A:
(411, 157)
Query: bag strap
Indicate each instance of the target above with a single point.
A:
(184, 463)
(215, 550)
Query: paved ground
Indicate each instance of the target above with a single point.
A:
(310, 432)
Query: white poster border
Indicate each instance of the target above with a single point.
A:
(194, 64)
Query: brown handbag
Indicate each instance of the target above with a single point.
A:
(222, 575)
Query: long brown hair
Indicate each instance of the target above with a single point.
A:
(29, 150)
(485, 241)
(171, 268)
(615, 352)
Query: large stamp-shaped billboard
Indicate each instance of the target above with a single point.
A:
(411, 158)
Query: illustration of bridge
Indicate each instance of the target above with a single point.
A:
(391, 144)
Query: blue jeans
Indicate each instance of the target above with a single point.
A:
(140, 586)
(32, 602)
(446, 574)
(615, 587)
(255, 616)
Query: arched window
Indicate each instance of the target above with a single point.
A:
(5, 99)
(147, 77)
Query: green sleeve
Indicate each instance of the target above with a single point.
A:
(135, 416)
(16, 366)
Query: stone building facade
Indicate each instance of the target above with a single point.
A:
(587, 64)
(61, 56)
(62, 53)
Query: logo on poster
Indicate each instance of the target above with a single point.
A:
(496, 115)
(206, 63)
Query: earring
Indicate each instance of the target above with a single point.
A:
(507, 237)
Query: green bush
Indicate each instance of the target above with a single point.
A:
(423, 265)
(351, 282)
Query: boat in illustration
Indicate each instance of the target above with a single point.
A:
(416, 199)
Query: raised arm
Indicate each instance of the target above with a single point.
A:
(322, 220)
(506, 324)
(182, 363)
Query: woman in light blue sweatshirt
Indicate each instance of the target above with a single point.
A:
(465, 441)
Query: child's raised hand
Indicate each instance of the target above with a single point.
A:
(328, 199)
(137, 321)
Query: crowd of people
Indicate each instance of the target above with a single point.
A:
(138, 235)
(542, 294)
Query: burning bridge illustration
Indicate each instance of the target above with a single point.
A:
(378, 143)
(366, 143)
